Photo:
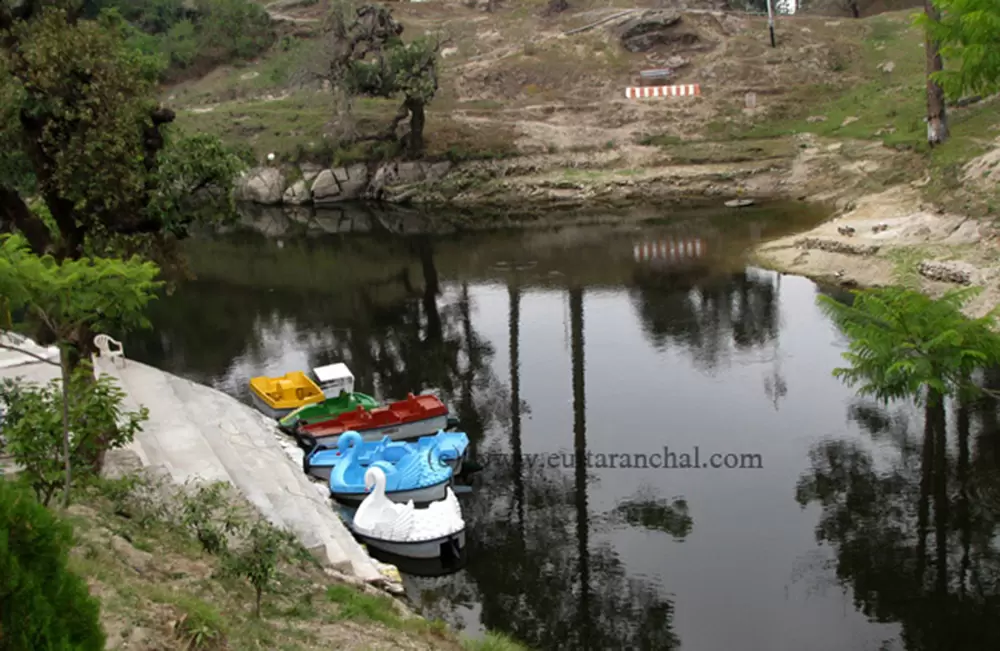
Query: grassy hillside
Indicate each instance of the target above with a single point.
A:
(886, 104)
(516, 83)
(160, 590)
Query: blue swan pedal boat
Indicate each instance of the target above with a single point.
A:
(419, 472)
(319, 460)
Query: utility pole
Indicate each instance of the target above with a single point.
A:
(770, 22)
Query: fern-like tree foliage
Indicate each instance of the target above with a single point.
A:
(904, 344)
(43, 606)
(61, 299)
(968, 32)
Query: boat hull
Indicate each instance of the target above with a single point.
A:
(325, 410)
(419, 496)
(435, 548)
(397, 432)
(322, 472)
(267, 409)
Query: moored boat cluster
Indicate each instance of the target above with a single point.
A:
(392, 469)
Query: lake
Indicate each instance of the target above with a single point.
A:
(668, 460)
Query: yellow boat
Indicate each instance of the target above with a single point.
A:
(279, 396)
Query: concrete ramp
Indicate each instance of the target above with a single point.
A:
(195, 432)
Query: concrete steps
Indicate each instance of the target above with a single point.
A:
(196, 432)
(169, 438)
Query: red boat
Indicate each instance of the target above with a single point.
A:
(411, 418)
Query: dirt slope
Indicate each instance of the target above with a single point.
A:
(515, 82)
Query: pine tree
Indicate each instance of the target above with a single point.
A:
(43, 606)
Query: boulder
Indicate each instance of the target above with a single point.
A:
(949, 272)
(353, 180)
(298, 193)
(310, 171)
(325, 187)
(409, 172)
(833, 246)
(340, 184)
(436, 171)
(264, 185)
(643, 32)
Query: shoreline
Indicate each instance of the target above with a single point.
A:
(893, 238)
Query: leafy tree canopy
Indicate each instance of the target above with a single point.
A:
(968, 33)
(82, 130)
(62, 298)
(904, 344)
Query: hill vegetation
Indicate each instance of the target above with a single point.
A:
(192, 37)
(155, 562)
(517, 82)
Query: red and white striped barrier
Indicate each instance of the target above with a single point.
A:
(646, 92)
(670, 250)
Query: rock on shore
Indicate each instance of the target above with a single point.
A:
(297, 185)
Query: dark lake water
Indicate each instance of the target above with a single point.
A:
(838, 525)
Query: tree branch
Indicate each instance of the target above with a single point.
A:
(15, 212)
(36, 356)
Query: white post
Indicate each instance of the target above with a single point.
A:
(770, 21)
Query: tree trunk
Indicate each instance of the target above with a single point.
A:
(923, 504)
(432, 288)
(942, 515)
(963, 516)
(514, 337)
(415, 139)
(937, 120)
(256, 611)
(64, 366)
(580, 462)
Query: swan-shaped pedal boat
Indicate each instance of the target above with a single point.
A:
(403, 529)
(451, 447)
(414, 472)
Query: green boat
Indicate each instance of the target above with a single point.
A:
(326, 410)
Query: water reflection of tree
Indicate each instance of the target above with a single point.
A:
(547, 582)
(541, 577)
(397, 333)
(707, 313)
(916, 541)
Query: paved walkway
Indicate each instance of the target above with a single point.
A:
(195, 432)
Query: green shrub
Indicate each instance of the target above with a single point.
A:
(33, 427)
(43, 606)
(233, 29)
(193, 37)
(200, 625)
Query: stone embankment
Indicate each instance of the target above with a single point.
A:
(542, 181)
(312, 184)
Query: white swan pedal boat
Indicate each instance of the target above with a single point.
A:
(437, 531)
